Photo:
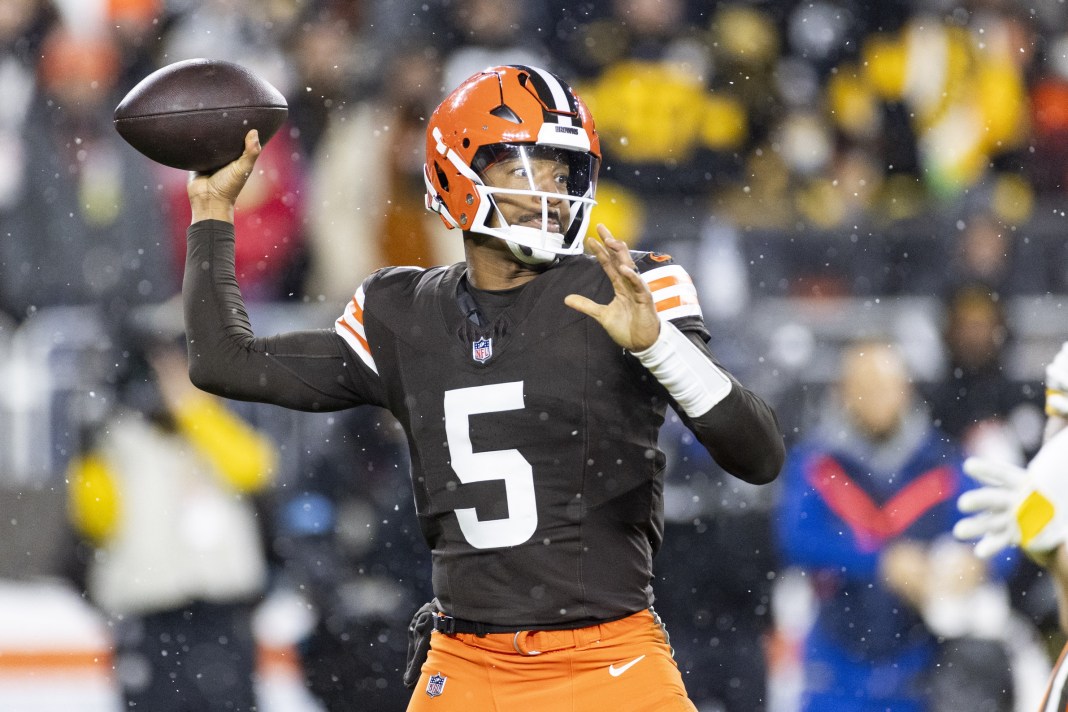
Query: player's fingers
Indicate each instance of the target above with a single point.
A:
(975, 526)
(984, 499)
(603, 232)
(991, 544)
(585, 305)
(610, 266)
(993, 473)
(617, 249)
(630, 275)
(618, 256)
(252, 151)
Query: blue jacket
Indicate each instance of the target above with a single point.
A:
(844, 500)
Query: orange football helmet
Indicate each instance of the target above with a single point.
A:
(512, 112)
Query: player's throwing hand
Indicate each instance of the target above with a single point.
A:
(213, 196)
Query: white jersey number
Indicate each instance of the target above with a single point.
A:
(507, 465)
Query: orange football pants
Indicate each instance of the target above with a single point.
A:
(622, 666)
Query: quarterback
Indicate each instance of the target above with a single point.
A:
(531, 380)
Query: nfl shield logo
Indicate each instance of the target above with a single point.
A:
(436, 685)
(481, 350)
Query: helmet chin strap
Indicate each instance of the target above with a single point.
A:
(531, 255)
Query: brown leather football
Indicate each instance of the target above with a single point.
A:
(194, 114)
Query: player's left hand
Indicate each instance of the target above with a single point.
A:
(1017, 506)
(630, 318)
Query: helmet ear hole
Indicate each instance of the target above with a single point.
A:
(442, 178)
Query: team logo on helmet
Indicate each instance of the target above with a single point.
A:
(436, 685)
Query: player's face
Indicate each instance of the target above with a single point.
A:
(524, 172)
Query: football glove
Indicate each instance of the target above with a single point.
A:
(1016, 506)
(1057, 384)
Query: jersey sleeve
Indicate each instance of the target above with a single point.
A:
(350, 327)
(309, 370)
(673, 291)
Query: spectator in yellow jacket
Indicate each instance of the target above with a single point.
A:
(163, 495)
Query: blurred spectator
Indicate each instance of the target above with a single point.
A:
(1048, 163)
(272, 262)
(247, 33)
(967, 108)
(83, 224)
(989, 250)
(668, 139)
(348, 540)
(489, 33)
(975, 403)
(717, 567)
(337, 57)
(162, 492)
(273, 266)
(367, 186)
(868, 497)
(23, 24)
(140, 27)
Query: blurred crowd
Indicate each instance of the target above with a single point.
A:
(799, 148)
(929, 132)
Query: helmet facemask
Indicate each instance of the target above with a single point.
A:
(549, 222)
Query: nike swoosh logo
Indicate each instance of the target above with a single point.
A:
(617, 671)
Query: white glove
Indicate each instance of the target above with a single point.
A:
(1021, 507)
(1057, 384)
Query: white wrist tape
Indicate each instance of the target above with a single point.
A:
(689, 376)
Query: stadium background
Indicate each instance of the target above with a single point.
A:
(825, 170)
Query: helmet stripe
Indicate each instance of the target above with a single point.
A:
(554, 94)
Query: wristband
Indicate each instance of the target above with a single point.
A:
(685, 371)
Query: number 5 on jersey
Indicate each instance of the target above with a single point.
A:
(507, 465)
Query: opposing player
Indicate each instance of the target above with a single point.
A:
(531, 381)
(1029, 508)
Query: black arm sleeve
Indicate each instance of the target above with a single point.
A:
(305, 370)
(741, 432)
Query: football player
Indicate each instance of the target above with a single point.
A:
(1029, 508)
(531, 381)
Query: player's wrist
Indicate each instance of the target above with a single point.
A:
(211, 208)
(689, 376)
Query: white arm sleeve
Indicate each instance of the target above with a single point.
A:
(685, 371)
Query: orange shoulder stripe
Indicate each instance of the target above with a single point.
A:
(363, 341)
(669, 303)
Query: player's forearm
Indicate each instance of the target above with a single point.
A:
(742, 434)
(302, 370)
(739, 430)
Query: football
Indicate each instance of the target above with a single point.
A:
(194, 114)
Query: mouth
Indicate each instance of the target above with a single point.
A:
(534, 221)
